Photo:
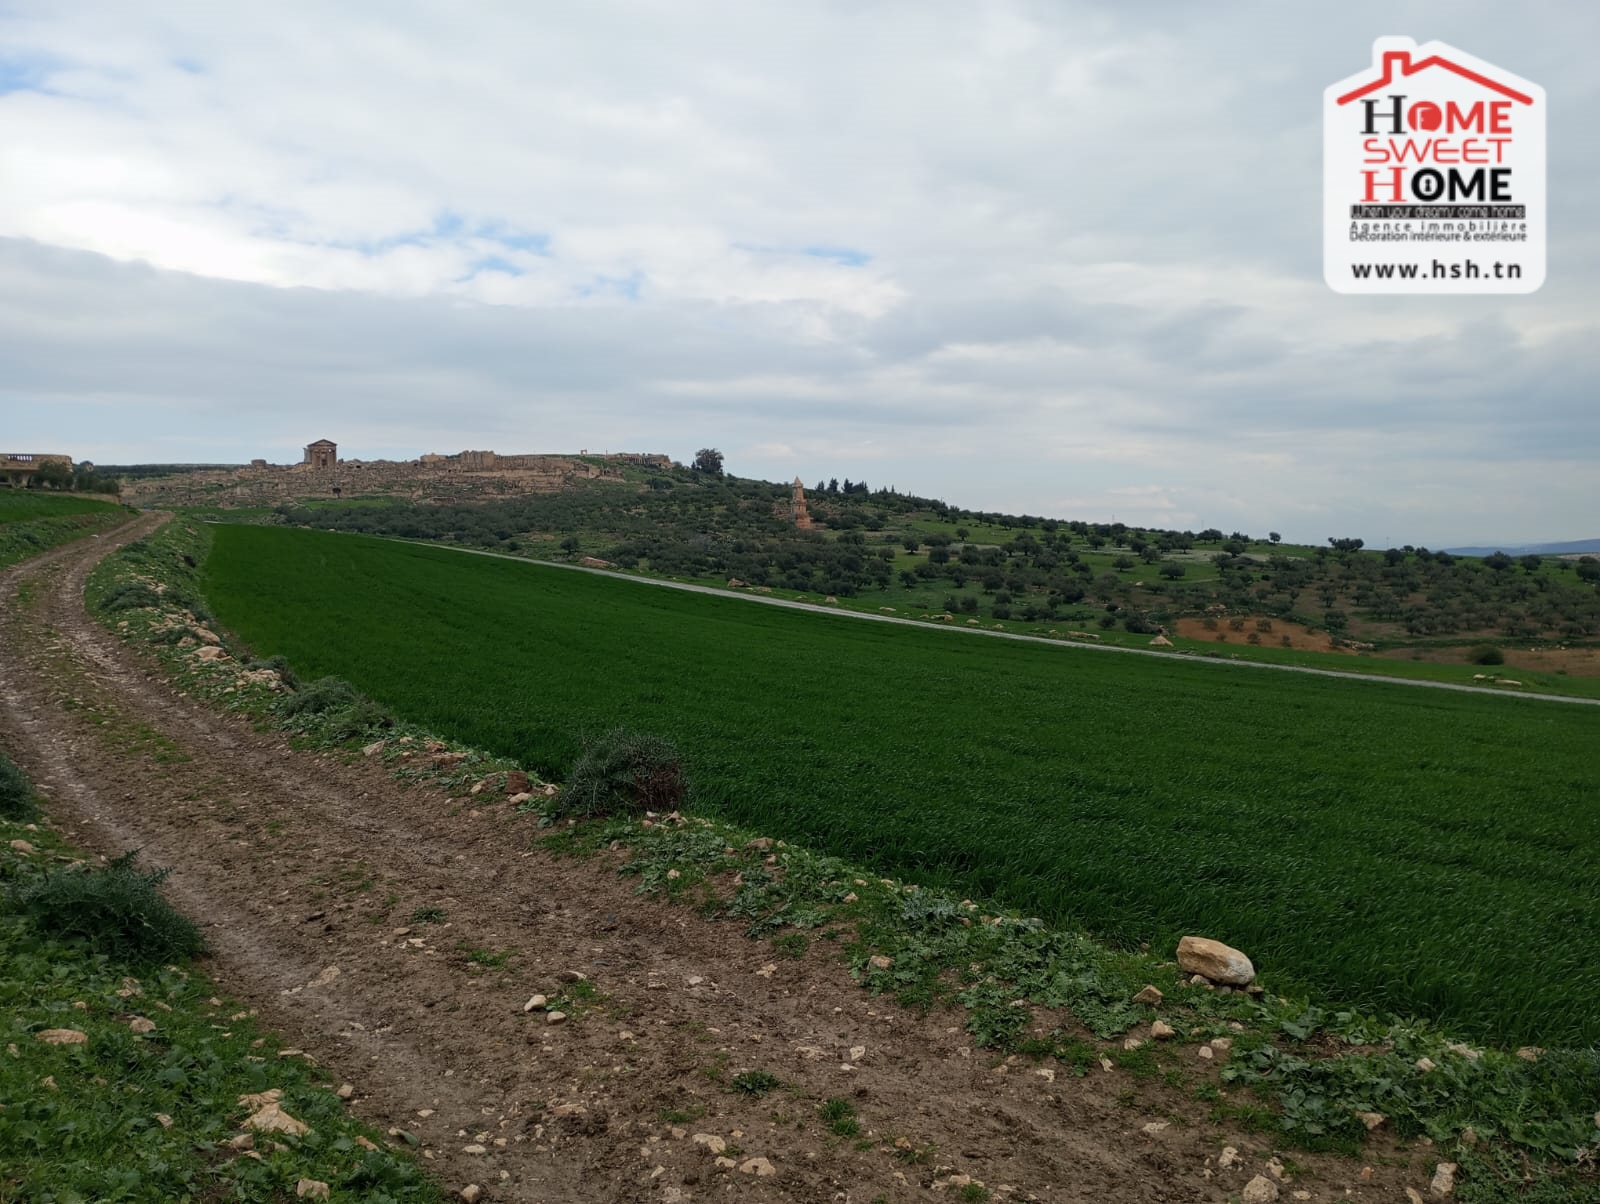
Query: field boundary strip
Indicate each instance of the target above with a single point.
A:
(813, 608)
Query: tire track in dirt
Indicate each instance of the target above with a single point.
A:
(297, 862)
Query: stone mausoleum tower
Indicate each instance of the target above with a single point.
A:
(797, 507)
(324, 453)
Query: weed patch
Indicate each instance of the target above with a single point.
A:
(16, 793)
(840, 1117)
(756, 1082)
(118, 911)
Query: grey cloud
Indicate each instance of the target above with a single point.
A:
(1093, 228)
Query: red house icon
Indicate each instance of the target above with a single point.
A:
(1398, 64)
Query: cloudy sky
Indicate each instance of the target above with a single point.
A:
(1061, 258)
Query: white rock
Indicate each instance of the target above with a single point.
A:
(1160, 1030)
(555, 1017)
(273, 1119)
(759, 1167)
(62, 1036)
(1218, 962)
(535, 1003)
(1228, 1158)
(711, 1141)
(1259, 1190)
(471, 1193)
(1444, 1180)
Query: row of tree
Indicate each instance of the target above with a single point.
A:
(701, 523)
(61, 476)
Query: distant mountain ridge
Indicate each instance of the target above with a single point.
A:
(1575, 547)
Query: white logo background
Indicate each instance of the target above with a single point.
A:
(1415, 242)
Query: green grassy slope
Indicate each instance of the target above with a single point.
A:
(32, 522)
(17, 505)
(1393, 847)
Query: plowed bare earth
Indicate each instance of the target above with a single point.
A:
(296, 862)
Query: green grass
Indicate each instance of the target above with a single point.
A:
(1392, 848)
(18, 505)
(840, 1117)
(32, 522)
(913, 603)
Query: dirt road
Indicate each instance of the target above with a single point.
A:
(298, 864)
(1068, 645)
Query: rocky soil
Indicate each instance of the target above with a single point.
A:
(308, 872)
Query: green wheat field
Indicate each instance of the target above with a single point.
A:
(1393, 848)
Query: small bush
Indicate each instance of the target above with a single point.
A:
(130, 595)
(16, 794)
(280, 666)
(1486, 654)
(624, 772)
(321, 696)
(117, 911)
(360, 718)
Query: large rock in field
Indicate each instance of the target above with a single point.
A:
(1216, 961)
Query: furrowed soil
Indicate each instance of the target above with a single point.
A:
(301, 867)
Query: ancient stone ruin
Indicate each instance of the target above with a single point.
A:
(16, 468)
(797, 507)
(324, 453)
(466, 475)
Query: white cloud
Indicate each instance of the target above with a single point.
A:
(963, 248)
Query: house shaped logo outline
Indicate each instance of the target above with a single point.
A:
(1402, 59)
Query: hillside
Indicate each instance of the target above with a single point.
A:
(1575, 547)
(880, 549)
